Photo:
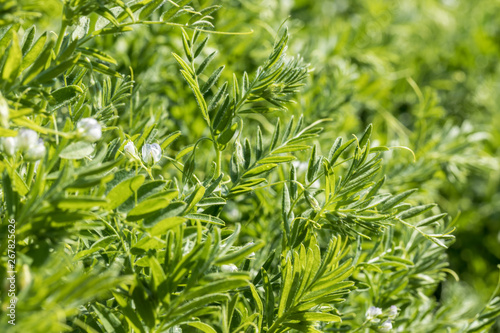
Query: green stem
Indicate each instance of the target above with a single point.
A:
(361, 327)
(31, 172)
(219, 161)
(60, 37)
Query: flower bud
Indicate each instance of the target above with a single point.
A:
(36, 152)
(130, 150)
(393, 312)
(26, 139)
(9, 146)
(228, 268)
(386, 326)
(89, 129)
(151, 153)
(239, 152)
(373, 312)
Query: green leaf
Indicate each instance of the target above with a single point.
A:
(186, 43)
(201, 302)
(54, 72)
(77, 150)
(107, 14)
(431, 220)
(276, 134)
(168, 223)
(293, 184)
(394, 200)
(206, 218)
(202, 327)
(240, 254)
(338, 151)
(312, 167)
(286, 285)
(258, 144)
(99, 67)
(198, 95)
(212, 79)
(259, 170)
(318, 316)
(290, 148)
(185, 67)
(414, 211)
(99, 245)
(220, 286)
(200, 47)
(174, 10)
(18, 182)
(13, 62)
(269, 297)
(143, 305)
(81, 202)
(227, 135)
(147, 243)
(277, 159)
(195, 197)
(121, 192)
(174, 209)
(212, 201)
(6, 35)
(366, 136)
(65, 95)
(98, 54)
(146, 207)
(205, 63)
(169, 139)
(149, 9)
(109, 321)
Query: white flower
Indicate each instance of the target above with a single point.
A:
(26, 139)
(9, 146)
(151, 154)
(393, 312)
(229, 268)
(373, 312)
(130, 150)
(36, 152)
(176, 329)
(4, 112)
(386, 326)
(89, 129)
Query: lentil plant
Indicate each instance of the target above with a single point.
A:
(197, 197)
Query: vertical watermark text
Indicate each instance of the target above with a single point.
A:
(11, 271)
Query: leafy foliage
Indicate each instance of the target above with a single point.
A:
(151, 192)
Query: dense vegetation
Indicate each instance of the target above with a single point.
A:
(250, 166)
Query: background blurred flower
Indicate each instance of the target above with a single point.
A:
(26, 139)
(393, 311)
(386, 326)
(35, 152)
(89, 129)
(229, 268)
(373, 312)
(9, 145)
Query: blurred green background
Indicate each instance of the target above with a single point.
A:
(426, 73)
